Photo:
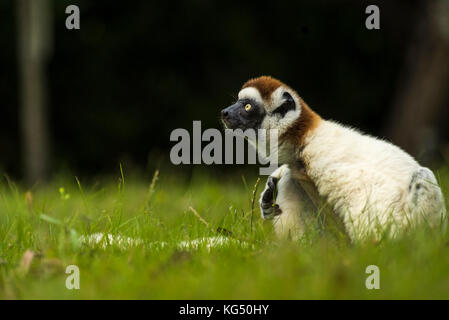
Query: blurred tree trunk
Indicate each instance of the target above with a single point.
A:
(423, 83)
(34, 47)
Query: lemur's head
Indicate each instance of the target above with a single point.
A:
(267, 103)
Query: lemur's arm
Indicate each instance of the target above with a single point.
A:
(299, 174)
(286, 203)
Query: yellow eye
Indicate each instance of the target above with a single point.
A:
(248, 107)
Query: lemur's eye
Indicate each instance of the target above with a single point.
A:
(248, 107)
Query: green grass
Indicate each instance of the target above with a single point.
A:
(48, 221)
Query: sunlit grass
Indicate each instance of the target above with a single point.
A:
(49, 221)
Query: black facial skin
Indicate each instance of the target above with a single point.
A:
(236, 117)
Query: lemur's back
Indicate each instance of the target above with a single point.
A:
(367, 180)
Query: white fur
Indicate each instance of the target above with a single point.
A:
(102, 240)
(367, 181)
(250, 93)
(276, 121)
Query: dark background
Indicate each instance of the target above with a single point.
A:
(137, 70)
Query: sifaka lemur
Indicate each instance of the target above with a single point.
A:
(371, 185)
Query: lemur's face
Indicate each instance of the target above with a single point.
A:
(263, 103)
(246, 113)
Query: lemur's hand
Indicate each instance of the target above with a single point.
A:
(268, 206)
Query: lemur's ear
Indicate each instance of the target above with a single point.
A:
(286, 106)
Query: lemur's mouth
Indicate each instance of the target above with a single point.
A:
(230, 116)
(230, 123)
(225, 123)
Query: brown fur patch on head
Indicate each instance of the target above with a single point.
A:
(307, 121)
(266, 85)
(297, 132)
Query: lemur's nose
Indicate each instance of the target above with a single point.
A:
(224, 113)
